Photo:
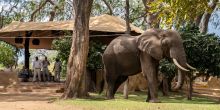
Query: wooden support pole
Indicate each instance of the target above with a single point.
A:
(26, 49)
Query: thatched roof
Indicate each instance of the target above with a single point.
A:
(52, 29)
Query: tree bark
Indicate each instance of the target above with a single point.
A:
(204, 23)
(165, 89)
(198, 20)
(190, 87)
(38, 9)
(1, 21)
(75, 85)
(52, 13)
(128, 31)
(128, 28)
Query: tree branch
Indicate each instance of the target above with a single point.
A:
(51, 2)
(128, 28)
(109, 7)
(38, 9)
(203, 27)
(52, 13)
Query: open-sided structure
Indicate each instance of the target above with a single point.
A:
(45, 32)
(39, 35)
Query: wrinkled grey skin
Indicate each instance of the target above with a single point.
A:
(129, 55)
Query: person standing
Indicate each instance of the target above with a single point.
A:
(37, 65)
(57, 68)
(46, 63)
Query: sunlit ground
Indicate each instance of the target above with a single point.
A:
(136, 101)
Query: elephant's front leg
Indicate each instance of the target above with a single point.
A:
(150, 69)
(148, 95)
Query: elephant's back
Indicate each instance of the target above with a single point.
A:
(121, 44)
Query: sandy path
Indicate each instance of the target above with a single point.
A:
(34, 105)
(31, 101)
(41, 100)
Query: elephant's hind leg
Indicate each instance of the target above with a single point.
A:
(119, 81)
(110, 87)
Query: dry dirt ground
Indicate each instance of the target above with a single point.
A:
(33, 96)
(40, 96)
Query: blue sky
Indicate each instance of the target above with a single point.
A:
(213, 26)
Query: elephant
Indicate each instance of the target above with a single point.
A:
(128, 55)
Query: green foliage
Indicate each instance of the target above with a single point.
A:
(203, 50)
(137, 12)
(167, 67)
(8, 55)
(94, 57)
(15, 10)
(177, 12)
(63, 47)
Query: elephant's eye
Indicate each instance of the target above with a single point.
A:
(165, 42)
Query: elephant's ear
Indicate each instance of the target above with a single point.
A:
(150, 44)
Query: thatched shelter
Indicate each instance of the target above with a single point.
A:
(104, 28)
(39, 35)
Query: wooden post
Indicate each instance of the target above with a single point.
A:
(190, 86)
(128, 32)
(26, 49)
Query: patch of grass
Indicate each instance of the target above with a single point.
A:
(136, 101)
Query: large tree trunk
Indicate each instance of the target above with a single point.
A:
(204, 23)
(198, 20)
(203, 27)
(76, 68)
(128, 31)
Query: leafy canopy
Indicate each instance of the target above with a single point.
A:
(94, 56)
(203, 50)
(178, 12)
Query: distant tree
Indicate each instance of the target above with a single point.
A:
(176, 13)
(8, 55)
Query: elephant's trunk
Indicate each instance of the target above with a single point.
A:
(180, 79)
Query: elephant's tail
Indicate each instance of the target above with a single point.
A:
(103, 75)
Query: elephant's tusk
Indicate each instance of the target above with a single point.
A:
(178, 65)
(190, 66)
